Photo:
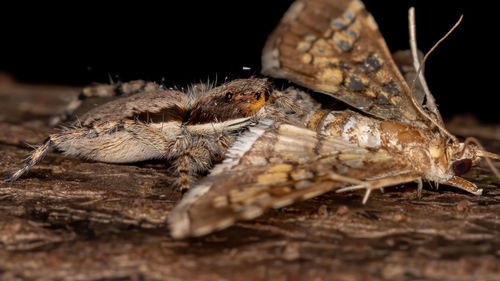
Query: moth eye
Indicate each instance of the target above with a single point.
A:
(229, 95)
(461, 167)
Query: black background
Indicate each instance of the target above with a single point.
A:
(191, 41)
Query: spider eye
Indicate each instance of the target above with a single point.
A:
(461, 167)
(257, 96)
(229, 95)
(461, 139)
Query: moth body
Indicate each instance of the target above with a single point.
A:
(431, 157)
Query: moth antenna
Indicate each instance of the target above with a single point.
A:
(411, 18)
(485, 154)
(430, 101)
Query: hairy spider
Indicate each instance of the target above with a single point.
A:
(192, 129)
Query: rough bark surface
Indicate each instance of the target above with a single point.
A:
(71, 219)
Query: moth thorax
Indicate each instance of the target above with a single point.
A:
(437, 152)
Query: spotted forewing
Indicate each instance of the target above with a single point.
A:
(335, 47)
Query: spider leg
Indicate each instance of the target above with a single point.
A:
(196, 154)
(33, 158)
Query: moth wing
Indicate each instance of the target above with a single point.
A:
(404, 61)
(273, 166)
(335, 47)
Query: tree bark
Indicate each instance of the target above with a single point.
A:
(71, 219)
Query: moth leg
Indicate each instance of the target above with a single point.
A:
(103, 91)
(420, 187)
(33, 158)
(380, 183)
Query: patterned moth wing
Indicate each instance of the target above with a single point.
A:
(271, 166)
(335, 47)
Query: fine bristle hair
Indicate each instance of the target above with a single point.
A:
(198, 89)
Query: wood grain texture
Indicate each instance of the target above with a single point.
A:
(70, 219)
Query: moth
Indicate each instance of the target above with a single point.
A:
(390, 137)
(192, 129)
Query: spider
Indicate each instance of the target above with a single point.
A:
(191, 129)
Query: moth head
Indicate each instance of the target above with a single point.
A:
(462, 157)
(466, 153)
(455, 160)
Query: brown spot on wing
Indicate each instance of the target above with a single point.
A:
(320, 41)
